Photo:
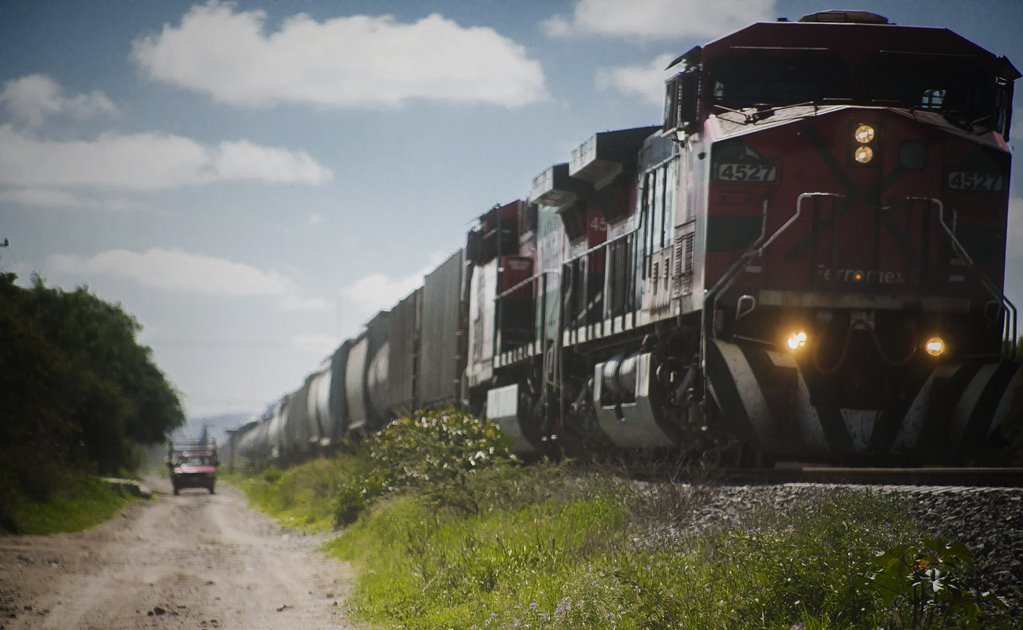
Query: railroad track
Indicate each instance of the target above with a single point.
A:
(923, 476)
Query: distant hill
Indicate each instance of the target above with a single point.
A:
(216, 426)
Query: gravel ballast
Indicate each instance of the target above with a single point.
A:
(989, 521)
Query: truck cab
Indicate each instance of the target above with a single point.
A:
(192, 465)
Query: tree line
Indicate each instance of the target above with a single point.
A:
(77, 390)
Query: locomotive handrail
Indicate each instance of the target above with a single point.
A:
(752, 251)
(794, 217)
(527, 281)
(557, 272)
(603, 245)
(1009, 326)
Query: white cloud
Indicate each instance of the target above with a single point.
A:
(36, 97)
(146, 161)
(245, 160)
(658, 18)
(295, 304)
(378, 291)
(175, 271)
(356, 61)
(315, 218)
(51, 198)
(315, 344)
(178, 271)
(646, 82)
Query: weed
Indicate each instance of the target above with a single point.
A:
(923, 584)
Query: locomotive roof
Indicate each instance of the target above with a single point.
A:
(854, 42)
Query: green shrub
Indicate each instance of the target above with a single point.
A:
(439, 453)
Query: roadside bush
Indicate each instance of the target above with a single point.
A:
(439, 453)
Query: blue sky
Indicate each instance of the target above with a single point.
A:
(253, 180)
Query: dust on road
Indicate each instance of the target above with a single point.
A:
(190, 561)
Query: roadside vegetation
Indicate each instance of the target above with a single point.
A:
(301, 497)
(80, 395)
(79, 502)
(447, 530)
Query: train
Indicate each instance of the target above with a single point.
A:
(803, 261)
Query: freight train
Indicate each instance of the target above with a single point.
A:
(805, 260)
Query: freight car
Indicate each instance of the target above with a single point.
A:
(804, 260)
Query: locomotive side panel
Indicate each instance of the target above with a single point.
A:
(483, 281)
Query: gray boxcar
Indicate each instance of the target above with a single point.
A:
(442, 348)
(403, 354)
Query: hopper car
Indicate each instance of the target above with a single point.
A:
(804, 260)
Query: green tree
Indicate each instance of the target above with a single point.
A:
(77, 389)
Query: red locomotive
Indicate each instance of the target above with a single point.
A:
(815, 262)
(804, 261)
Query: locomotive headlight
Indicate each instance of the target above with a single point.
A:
(797, 340)
(935, 346)
(864, 134)
(863, 154)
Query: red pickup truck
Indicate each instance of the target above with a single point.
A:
(192, 465)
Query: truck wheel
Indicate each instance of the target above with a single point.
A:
(211, 489)
(177, 491)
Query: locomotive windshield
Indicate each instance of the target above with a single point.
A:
(953, 85)
(762, 78)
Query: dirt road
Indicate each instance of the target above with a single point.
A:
(191, 561)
